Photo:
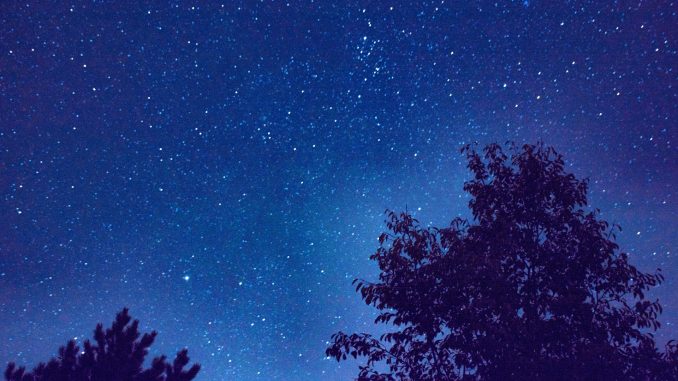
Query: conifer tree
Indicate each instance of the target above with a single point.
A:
(117, 354)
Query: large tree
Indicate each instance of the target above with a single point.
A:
(532, 287)
(116, 355)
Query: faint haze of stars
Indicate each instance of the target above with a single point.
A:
(222, 169)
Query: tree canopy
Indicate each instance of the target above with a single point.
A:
(532, 287)
(117, 354)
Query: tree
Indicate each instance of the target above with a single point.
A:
(533, 287)
(117, 354)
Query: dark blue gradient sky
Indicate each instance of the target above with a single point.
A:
(222, 169)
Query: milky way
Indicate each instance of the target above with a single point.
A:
(223, 169)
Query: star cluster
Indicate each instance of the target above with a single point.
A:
(223, 169)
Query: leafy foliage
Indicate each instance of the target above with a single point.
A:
(117, 354)
(534, 287)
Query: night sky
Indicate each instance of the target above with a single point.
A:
(223, 169)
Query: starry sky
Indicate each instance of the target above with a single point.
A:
(222, 169)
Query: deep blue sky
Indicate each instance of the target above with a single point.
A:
(223, 170)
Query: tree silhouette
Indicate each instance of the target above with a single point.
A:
(116, 355)
(534, 287)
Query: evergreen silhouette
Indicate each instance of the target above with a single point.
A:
(534, 287)
(116, 355)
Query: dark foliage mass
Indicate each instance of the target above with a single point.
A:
(116, 355)
(534, 287)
